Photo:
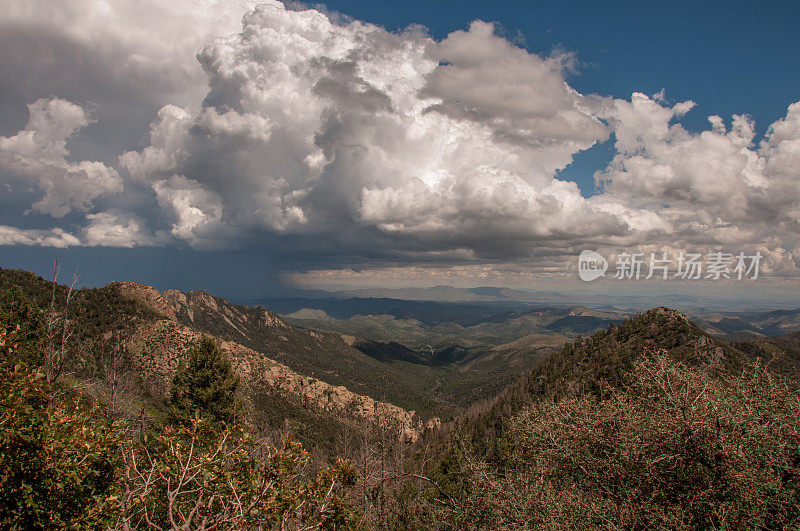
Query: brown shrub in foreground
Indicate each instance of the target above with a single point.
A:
(674, 448)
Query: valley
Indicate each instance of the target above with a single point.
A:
(431, 390)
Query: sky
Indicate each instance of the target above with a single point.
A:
(247, 148)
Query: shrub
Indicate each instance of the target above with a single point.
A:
(674, 448)
(57, 464)
(199, 477)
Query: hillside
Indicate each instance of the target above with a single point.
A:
(650, 424)
(156, 327)
(319, 355)
(440, 383)
(599, 363)
(153, 333)
(781, 353)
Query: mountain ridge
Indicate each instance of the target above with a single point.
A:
(153, 331)
(594, 365)
(186, 314)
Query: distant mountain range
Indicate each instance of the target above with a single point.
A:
(421, 324)
(473, 326)
(631, 302)
(749, 324)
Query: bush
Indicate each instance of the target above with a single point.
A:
(674, 448)
(62, 465)
(21, 326)
(196, 477)
(57, 464)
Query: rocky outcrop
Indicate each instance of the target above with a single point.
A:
(147, 295)
(158, 348)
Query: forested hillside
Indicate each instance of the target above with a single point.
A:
(652, 423)
(123, 407)
(125, 351)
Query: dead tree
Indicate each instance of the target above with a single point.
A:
(59, 329)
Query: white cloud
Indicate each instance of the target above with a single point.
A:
(39, 152)
(196, 211)
(169, 138)
(117, 229)
(312, 127)
(780, 151)
(367, 143)
(662, 162)
(46, 238)
(106, 229)
(113, 50)
(520, 96)
(712, 184)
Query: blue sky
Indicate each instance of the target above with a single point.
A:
(728, 58)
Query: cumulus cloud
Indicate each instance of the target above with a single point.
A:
(520, 96)
(662, 162)
(46, 238)
(39, 152)
(111, 50)
(168, 149)
(780, 151)
(312, 127)
(339, 138)
(714, 187)
(117, 229)
(195, 210)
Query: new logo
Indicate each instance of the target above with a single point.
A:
(591, 266)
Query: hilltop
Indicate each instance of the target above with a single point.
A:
(653, 423)
(598, 364)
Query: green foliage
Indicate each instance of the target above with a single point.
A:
(96, 311)
(781, 354)
(95, 314)
(273, 411)
(57, 464)
(62, 465)
(183, 478)
(204, 385)
(22, 326)
(650, 424)
(603, 361)
(598, 365)
(68, 468)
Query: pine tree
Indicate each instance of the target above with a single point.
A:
(204, 385)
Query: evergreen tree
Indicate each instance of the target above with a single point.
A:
(204, 385)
